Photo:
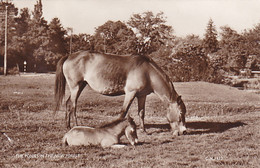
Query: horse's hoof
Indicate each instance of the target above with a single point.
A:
(144, 131)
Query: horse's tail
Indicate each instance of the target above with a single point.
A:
(60, 84)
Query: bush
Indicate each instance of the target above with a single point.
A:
(253, 84)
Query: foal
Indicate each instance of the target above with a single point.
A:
(107, 135)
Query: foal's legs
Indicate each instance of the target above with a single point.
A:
(141, 110)
(75, 93)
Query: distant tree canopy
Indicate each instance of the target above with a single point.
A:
(114, 37)
(35, 41)
(210, 42)
(151, 32)
(41, 44)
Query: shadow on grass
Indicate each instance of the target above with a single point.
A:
(200, 127)
(204, 127)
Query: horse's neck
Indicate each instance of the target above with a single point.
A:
(118, 129)
(162, 86)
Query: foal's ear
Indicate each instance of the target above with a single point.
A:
(179, 100)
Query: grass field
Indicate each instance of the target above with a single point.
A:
(223, 125)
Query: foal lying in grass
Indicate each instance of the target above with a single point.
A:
(107, 135)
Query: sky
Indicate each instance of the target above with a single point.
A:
(185, 16)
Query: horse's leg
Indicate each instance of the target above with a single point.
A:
(75, 93)
(81, 87)
(141, 110)
(68, 108)
(129, 97)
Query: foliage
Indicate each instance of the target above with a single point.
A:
(210, 42)
(12, 12)
(114, 37)
(233, 51)
(79, 42)
(35, 41)
(189, 61)
(57, 42)
(151, 32)
(32, 39)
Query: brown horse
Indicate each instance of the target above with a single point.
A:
(112, 75)
(107, 135)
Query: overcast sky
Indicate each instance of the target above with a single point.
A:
(185, 16)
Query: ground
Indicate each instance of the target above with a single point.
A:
(223, 125)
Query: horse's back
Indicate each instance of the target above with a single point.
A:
(80, 135)
(105, 73)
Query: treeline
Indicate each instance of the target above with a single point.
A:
(41, 44)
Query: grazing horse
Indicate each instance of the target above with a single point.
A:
(112, 75)
(107, 135)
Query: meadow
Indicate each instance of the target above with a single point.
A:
(223, 128)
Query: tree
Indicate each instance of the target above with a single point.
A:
(233, 49)
(189, 61)
(38, 40)
(151, 32)
(22, 22)
(12, 12)
(18, 48)
(81, 41)
(252, 45)
(210, 41)
(114, 37)
(57, 43)
(252, 37)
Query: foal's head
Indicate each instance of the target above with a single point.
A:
(130, 131)
(176, 117)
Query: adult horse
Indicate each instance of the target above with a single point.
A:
(112, 75)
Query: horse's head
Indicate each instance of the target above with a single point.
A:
(130, 131)
(176, 117)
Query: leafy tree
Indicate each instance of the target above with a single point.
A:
(252, 45)
(210, 41)
(57, 43)
(22, 22)
(18, 48)
(38, 40)
(12, 12)
(79, 42)
(252, 37)
(56, 34)
(233, 50)
(189, 61)
(114, 37)
(151, 32)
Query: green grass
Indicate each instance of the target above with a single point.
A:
(223, 125)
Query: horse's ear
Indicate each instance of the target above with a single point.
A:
(179, 100)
